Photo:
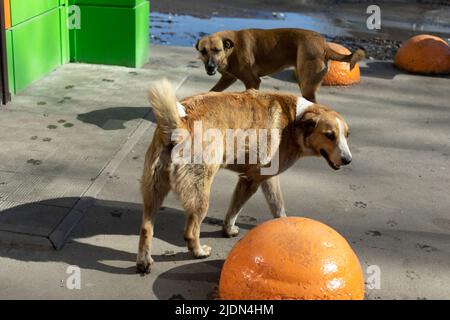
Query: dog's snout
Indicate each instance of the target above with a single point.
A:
(211, 67)
(346, 160)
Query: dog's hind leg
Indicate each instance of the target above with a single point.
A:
(243, 191)
(192, 185)
(310, 76)
(272, 192)
(154, 187)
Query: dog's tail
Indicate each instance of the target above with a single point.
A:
(353, 58)
(164, 103)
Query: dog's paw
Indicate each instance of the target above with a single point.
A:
(230, 232)
(144, 266)
(203, 252)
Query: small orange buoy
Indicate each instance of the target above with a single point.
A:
(339, 73)
(424, 54)
(292, 258)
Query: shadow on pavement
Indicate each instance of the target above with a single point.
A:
(380, 69)
(116, 117)
(373, 69)
(104, 218)
(387, 70)
(285, 75)
(192, 281)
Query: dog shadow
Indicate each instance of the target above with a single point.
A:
(374, 69)
(380, 69)
(285, 75)
(197, 281)
(387, 70)
(115, 118)
(104, 218)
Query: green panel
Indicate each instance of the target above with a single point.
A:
(73, 51)
(110, 3)
(142, 34)
(112, 35)
(65, 46)
(22, 10)
(10, 61)
(36, 48)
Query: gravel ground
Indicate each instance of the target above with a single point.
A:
(376, 48)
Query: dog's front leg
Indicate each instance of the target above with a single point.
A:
(250, 79)
(225, 81)
(272, 192)
(243, 191)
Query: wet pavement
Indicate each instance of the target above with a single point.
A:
(184, 30)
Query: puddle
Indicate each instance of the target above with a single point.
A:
(184, 30)
(344, 25)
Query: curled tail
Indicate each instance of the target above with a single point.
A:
(164, 103)
(352, 58)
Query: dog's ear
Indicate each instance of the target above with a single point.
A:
(307, 123)
(228, 44)
(196, 45)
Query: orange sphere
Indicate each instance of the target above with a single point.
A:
(424, 54)
(339, 73)
(292, 258)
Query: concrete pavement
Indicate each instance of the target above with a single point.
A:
(72, 154)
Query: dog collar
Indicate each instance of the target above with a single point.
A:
(181, 110)
(302, 105)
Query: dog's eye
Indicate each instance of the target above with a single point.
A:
(204, 52)
(330, 136)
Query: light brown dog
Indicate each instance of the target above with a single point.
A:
(299, 128)
(250, 54)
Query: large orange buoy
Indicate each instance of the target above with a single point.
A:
(424, 54)
(292, 258)
(339, 73)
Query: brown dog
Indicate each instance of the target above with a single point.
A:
(298, 127)
(250, 54)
